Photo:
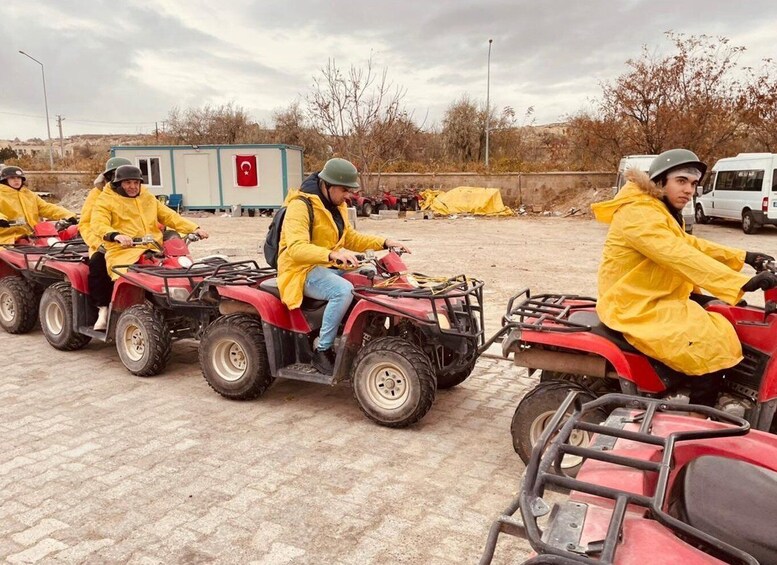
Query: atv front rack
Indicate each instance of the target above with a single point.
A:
(459, 298)
(553, 445)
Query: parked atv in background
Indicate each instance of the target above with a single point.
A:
(21, 285)
(405, 336)
(153, 303)
(656, 486)
(403, 201)
(365, 205)
(563, 337)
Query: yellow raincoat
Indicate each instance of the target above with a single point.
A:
(134, 217)
(298, 254)
(93, 240)
(649, 268)
(24, 203)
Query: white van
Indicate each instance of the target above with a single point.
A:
(741, 188)
(642, 162)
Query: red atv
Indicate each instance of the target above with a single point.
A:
(404, 336)
(655, 487)
(21, 285)
(153, 303)
(563, 337)
(402, 201)
(365, 205)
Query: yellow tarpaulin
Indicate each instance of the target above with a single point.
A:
(465, 200)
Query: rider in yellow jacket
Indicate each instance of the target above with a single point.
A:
(100, 283)
(17, 201)
(650, 267)
(127, 210)
(306, 265)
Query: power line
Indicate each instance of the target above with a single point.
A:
(82, 121)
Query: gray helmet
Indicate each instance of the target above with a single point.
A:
(114, 163)
(8, 172)
(673, 159)
(339, 172)
(126, 172)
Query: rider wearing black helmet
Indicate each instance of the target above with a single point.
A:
(18, 202)
(650, 268)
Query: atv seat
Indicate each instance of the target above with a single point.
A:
(591, 318)
(732, 500)
(271, 286)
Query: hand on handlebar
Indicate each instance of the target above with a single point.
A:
(344, 256)
(391, 243)
(201, 233)
(764, 280)
(756, 259)
(124, 240)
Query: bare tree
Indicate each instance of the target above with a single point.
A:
(760, 106)
(225, 124)
(362, 114)
(292, 127)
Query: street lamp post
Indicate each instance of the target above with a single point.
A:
(488, 97)
(46, 104)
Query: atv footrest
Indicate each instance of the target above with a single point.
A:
(99, 335)
(304, 372)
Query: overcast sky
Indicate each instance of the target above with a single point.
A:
(120, 66)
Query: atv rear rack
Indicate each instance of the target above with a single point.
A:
(553, 445)
(547, 312)
(459, 298)
(34, 254)
(239, 273)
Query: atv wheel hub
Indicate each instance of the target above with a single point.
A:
(7, 308)
(387, 386)
(229, 360)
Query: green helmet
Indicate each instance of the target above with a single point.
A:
(114, 163)
(673, 159)
(8, 172)
(339, 172)
(126, 172)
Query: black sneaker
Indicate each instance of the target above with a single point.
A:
(324, 361)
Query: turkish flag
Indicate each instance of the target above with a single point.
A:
(245, 170)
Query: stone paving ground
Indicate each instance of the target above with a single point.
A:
(99, 466)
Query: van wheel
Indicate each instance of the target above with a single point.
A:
(701, 217)
(749, 225)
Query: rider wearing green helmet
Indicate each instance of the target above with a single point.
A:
(307, 265)
(651, 269)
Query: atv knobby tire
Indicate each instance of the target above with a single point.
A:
(233, 357)
(18, 305)
(393, 382)
(143, 340)
(598, 385)
(535, 411)
(56, 318)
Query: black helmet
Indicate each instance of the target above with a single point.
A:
(8, 172)
(126, 172)
(674, 159)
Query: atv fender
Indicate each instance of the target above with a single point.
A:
(269, 308)
(76, 274)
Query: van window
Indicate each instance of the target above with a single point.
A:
(750, 181)
(774, 180)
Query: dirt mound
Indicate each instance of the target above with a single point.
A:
(74, 200)
(578, 199)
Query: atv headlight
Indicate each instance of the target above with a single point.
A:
(51, 241)
(442, 320)
(180, 294)
(185, 262)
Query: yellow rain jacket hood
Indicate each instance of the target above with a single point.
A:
(134, 217)
(298, 253)
(649, 268)
(24, 203)
(93, 240)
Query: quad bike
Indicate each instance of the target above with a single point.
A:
(403, 201)
(152, 302)
(365, 205)
(21, 285)
(656, 486)
(403, 337)
(563, 337)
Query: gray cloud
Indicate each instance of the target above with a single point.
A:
(134, 61)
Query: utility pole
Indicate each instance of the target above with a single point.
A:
(488, 97)
(46, 105)
(156, 129)
(61, 140)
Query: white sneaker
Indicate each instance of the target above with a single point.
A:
(102, 318)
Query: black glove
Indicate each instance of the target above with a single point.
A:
(763, 280)
(4, 224)
(756, 259)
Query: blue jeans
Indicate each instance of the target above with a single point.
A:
(329, 284)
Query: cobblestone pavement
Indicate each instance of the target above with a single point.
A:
(98, 466)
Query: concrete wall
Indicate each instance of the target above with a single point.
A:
(516, 188)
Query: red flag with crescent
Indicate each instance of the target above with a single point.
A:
(245, 170)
